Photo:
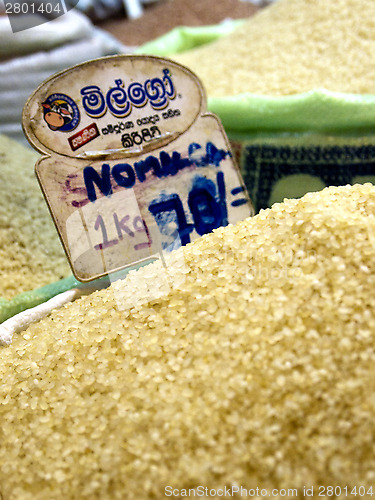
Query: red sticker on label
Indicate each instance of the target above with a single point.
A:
(84, 136)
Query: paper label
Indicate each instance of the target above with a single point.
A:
(135, 166)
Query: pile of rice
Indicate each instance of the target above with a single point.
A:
(31, 254)
(292, 46)
(249, 359)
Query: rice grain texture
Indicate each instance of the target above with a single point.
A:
(292, 46)
(31, 254)
(248, 360)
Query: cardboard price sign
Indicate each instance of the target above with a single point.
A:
(132, 164)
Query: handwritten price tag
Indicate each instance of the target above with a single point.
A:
(133, 165)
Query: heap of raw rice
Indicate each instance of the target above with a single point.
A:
(249, 360)
(31, 254)
(292, 46)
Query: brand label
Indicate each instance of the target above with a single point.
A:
(133, 101)
(152, 172)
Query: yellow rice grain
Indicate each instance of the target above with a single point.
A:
(292, 46)
(249, 360)
(31, 254)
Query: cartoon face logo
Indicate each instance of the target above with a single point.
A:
(57, 114)
(60, 112)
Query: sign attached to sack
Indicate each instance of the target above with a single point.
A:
(132, 164)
